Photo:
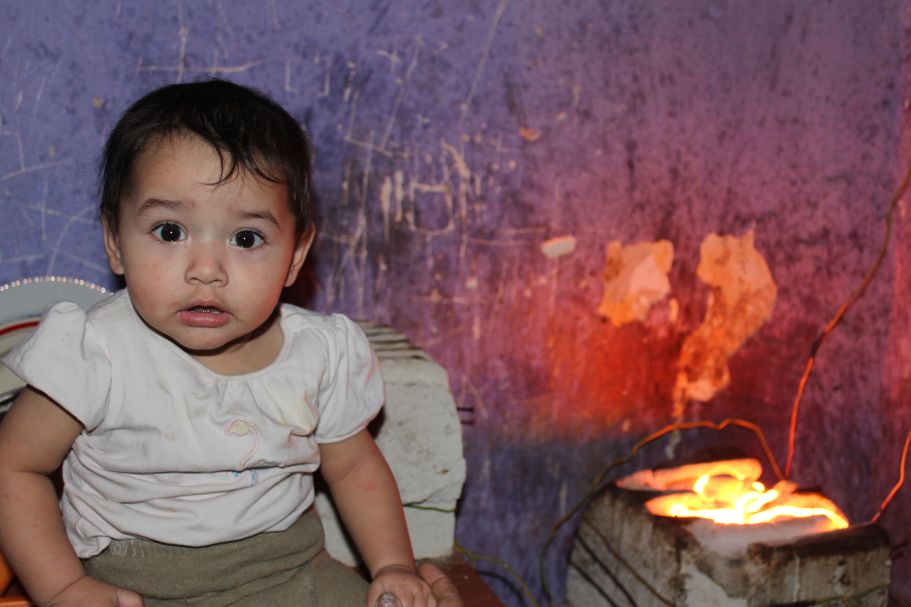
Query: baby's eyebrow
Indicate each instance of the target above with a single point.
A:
(151, 204)
(265, 215)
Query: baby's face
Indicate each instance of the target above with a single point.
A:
(204, 264)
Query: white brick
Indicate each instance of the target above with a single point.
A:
(421, 437)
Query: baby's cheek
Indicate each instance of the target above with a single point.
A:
(265, 291)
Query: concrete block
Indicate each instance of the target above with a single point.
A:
(625, 555)
(421, 437)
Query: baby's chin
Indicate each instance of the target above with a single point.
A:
(201, 343)
(208, 345)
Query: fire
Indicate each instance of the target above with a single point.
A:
(729, 493)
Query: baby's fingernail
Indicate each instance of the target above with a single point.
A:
(387, 599)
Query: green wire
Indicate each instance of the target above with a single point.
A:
(515, 576)
(419, 506)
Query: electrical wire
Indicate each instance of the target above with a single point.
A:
(607, 571)
(472, 556)
(898, 485)
(839, 314)
(588, 578)
(420, 506)
(480, 557)
(616, 554)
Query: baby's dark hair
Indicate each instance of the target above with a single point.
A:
(249, 131)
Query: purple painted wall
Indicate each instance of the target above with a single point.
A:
(454, 138)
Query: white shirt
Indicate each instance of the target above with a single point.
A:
(177, 453)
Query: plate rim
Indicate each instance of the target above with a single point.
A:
(23, 282)
(42, 291)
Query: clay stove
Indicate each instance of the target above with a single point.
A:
(625, 555)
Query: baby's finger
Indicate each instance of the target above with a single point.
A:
(388, 599)
(125, 598)
(443, 588)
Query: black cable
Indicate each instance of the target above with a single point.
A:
(606, 570)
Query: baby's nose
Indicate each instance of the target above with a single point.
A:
(206, 265)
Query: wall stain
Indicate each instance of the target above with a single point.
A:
(635, 279)
(741, 299)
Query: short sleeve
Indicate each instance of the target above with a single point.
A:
(352, 392)
(66, 360)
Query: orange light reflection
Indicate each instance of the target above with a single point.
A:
(731, 495)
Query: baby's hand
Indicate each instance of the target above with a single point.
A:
(404, 582)
(89, 592)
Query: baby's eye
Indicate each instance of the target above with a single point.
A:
(169, 232)
(247, 239)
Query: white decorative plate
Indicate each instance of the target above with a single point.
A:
(21, 305)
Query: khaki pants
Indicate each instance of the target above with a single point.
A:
(278, 569)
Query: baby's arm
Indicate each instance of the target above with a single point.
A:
(35, 436)
(365, 493)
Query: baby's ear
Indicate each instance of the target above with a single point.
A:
(112, 248)
(300, 254)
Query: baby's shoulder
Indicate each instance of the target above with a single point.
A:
(68, 318)
(112, 317)
(302, 320)
(333, 331)
(115, 306)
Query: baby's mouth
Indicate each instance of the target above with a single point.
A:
(205, 309)
(204, 316)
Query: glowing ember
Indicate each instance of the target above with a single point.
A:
(729, 493)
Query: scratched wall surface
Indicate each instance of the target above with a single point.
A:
(457, 140)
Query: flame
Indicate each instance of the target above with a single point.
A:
(732, 495)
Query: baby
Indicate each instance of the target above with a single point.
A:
(191, 409)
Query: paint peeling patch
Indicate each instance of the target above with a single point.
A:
(386, 204)
(742, 296)
(529, 134)
(559, 246)
(635, 279)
